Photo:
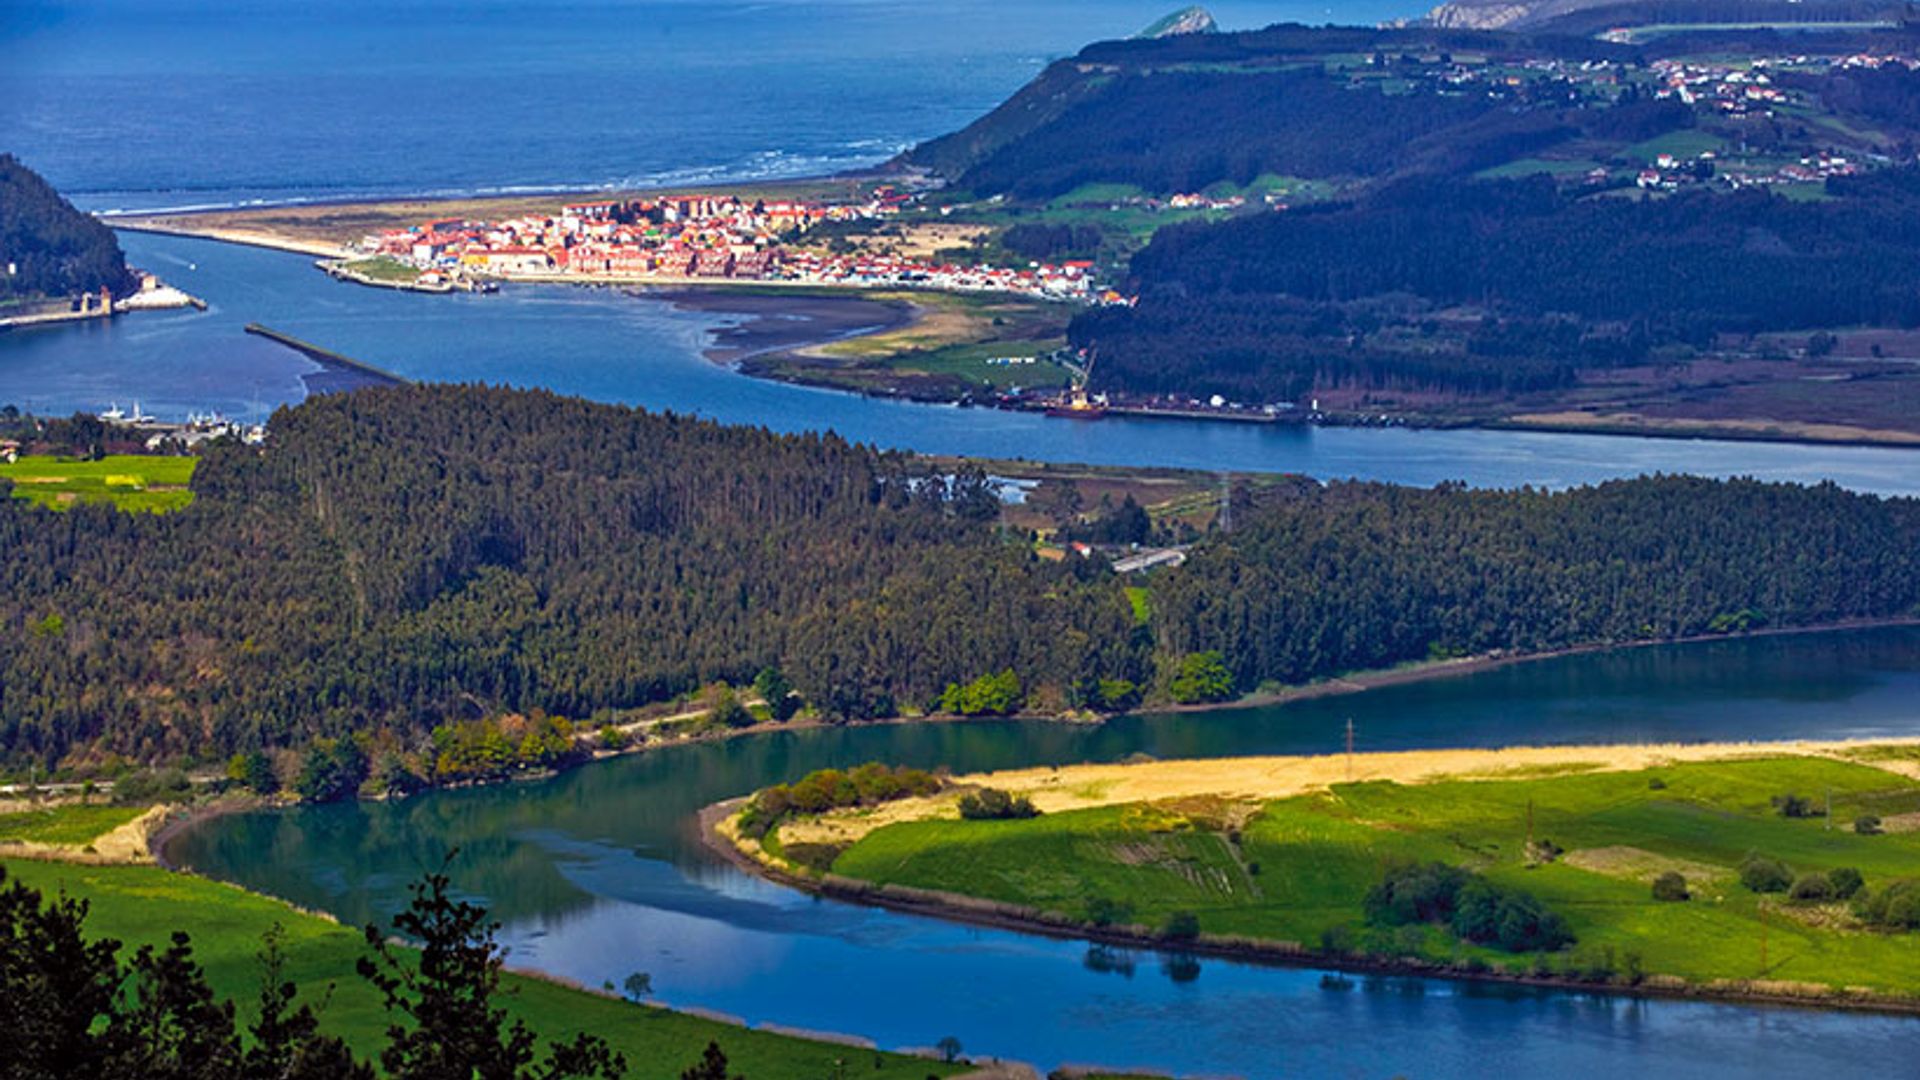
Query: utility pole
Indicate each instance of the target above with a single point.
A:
(1349, 749)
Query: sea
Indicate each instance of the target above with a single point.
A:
(151, 104)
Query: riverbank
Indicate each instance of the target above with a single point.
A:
(1769, 406)
(143, 905)
(185, 821)
(1272, 842)
(775, 321)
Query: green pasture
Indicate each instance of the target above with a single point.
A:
(128, 481)
(70, 826)
(141, 905)
(1298, 868)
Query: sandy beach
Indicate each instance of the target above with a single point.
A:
(1261, 779)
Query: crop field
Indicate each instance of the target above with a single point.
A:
(142, 905)
(1296, 869)
(131, 482)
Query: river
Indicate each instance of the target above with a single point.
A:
(606, 345)
(598, 873)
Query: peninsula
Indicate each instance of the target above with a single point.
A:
(1754, 871)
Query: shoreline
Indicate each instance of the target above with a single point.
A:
(1353, 683)
(717, 835)
(1754, 430)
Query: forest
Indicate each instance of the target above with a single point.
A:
(443, 575)
(53, 250)
(1354, 293)
(399, 559)
(1360, 575)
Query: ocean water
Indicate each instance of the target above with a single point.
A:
(143, 104)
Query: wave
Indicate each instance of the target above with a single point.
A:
(771, 164)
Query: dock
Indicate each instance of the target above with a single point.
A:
(354, 372)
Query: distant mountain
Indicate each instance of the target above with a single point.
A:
(48, 248)
(1592, 16)
(1188, 20)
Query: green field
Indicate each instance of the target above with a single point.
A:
(1685, 145)
(971, 362)
(383, 268)
(70, 826)
(1536, 166)
(138, 905)
(128, 481)
(1298, 868)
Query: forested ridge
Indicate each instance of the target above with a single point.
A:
(54, 250)
(400, 560)
(1488, 286)
(1362, 575)
(402, 557)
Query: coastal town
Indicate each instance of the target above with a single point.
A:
(688, 239)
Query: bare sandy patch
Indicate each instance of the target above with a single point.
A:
(1639, 864)
(1901, 823)
(1262, 779)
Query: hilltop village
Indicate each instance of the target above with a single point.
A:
(690, 238)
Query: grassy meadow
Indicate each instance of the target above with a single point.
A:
(129, 481)
(66, 826)
(1296, 869)
(142, 905)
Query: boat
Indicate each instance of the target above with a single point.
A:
(1077, 406)
(113, 414)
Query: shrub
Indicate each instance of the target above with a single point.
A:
(1671, 886)
(1181, 926)
(1654, 783)
(253, 770)
(777, 692)
(612, 738)
(1414, 892)
(992, 804)
(1867, 825)
(1895, 906)
(1811, 888)
(1846, 882)
(1793, 806)
(1476, 909)
(728, 712)
(1508, 919)
(988, 695)
(153, 786)
(1106, 911)
(1764, 875)
(1201, 677)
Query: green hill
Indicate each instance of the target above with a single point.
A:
(48, 248)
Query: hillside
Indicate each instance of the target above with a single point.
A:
(436, 571)
(48, 249)
(1662, 216)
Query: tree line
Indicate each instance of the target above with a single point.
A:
(1362, 575)
(1354, 294)
(401, 560)
(419, 585)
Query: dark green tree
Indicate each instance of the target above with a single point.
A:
(711, 1066)
(447, 1023)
